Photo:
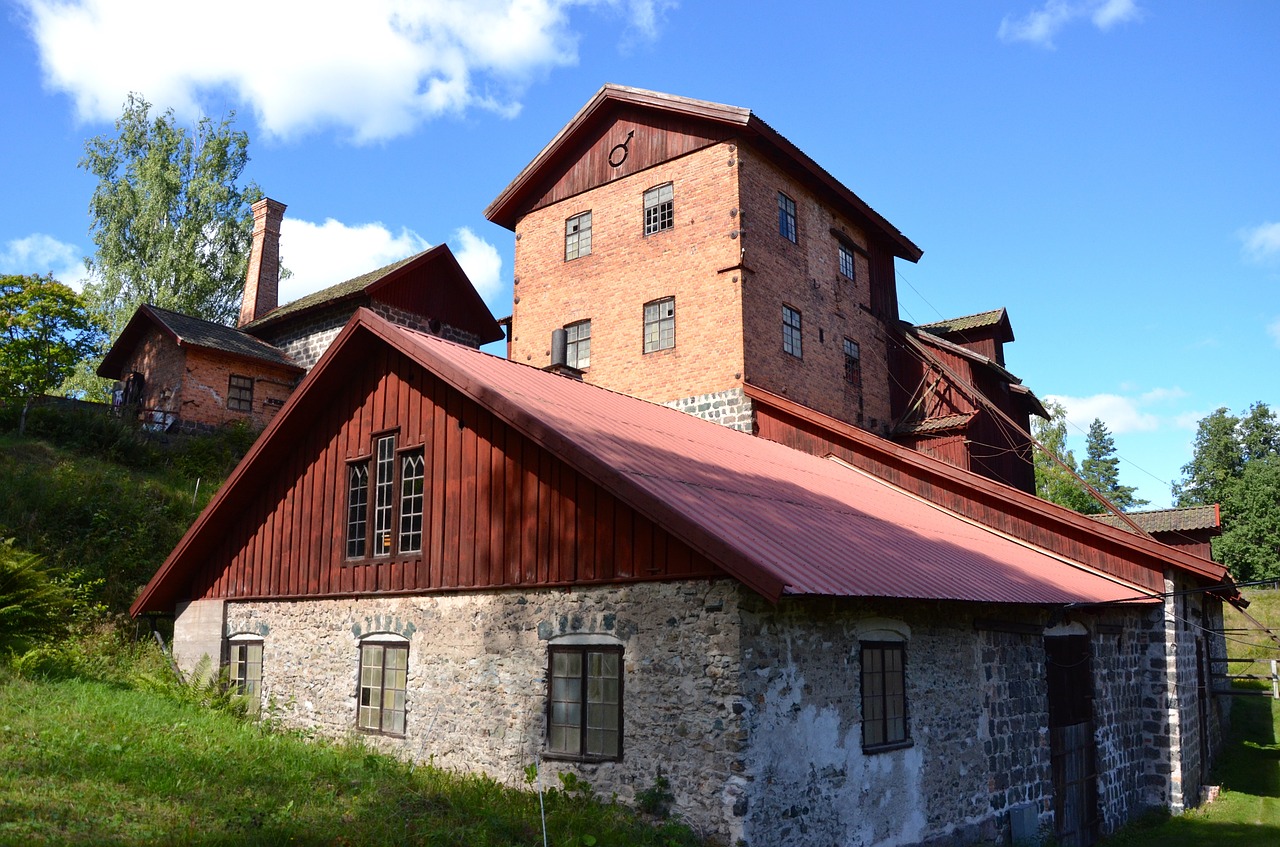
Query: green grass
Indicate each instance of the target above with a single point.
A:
(88, 762)
(1247, 813)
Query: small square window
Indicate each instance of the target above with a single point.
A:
(240, 393)
(384, 676)
(660, 324)
(577, 236)
(584, 703)
(884, 695)
(847, 268)
(791, 338)
(578, 348)
(659, 209)
(853, 365)
(787, 217)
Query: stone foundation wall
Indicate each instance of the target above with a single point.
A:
(809, 780)
(1123, 690)
(729, 408)
(476, 698)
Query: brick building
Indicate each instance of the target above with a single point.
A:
(696, 257)
(187, 373)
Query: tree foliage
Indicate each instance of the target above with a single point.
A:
(171, 224)
(1056, 483)
(1101, 468)
(45, 331)
(1236, 464)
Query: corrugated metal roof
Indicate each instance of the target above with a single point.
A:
(812, 525)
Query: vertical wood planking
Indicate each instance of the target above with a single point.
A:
(468, 495)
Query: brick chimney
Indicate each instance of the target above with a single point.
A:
(262, 282)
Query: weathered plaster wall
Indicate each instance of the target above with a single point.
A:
(810, 781)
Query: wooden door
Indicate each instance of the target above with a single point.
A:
(1071, 745)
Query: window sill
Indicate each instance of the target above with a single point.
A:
(888, 748)
(586, 760)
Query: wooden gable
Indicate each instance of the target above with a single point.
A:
(621, 141)
(499, 510)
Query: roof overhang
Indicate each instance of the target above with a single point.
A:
(514, 200)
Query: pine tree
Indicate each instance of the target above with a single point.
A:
(1101, 468)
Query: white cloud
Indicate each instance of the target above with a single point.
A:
(1041, 25)
(1273, 330)
(320, 255)
(1162, 395)
(1120, 414)
(483, 264)
(1261, 243)
(375, 69)
(41, 254)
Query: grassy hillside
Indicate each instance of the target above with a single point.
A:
(104, 504)
(111, 764)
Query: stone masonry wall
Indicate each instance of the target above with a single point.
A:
(809, 781)
(729, 408)
(1014, 727)
(1122, 690)
(305, 340)
(477, 680)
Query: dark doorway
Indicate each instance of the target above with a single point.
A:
(1071, 746)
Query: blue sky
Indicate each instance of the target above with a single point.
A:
(1107, 170)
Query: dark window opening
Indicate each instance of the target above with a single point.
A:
(584, 702)
(240, 393)
(884, 694)
(787, 217)
(791, 337)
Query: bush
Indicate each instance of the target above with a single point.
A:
(34, 608)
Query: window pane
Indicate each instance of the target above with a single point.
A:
(357, 509)
(411, 488)
(384, 487)
(847, 267)
(660, 325)
(577, 236)
(585, 716)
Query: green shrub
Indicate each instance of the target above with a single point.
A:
(33, 607)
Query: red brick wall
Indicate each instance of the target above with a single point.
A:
(208, 376)
(191, 383)
(162, 364)
(806, 276)
(695, 262)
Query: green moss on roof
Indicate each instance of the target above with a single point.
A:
(198, 332)
(1168, 520)
(332, 294)
(968, 322)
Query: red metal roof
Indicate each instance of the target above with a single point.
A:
(783, 518)
(782, 521)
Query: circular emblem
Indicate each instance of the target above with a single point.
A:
(618, 154)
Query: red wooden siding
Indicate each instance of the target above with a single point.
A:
(498, 510)
(991, 510)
